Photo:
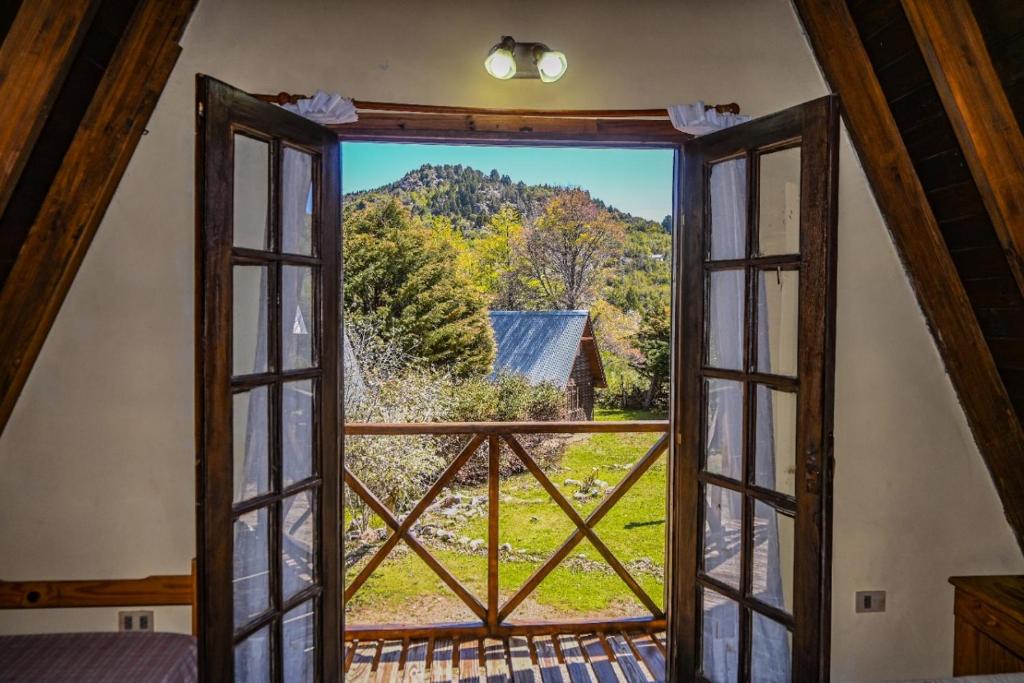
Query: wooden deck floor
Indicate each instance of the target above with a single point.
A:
(565, 658)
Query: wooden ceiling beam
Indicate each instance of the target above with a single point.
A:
(973, 96)
(78, 198)
(915, 232)
(34, 59)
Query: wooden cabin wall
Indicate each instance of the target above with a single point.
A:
(583, 377)
(98, 454)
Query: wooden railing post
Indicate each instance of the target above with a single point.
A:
(493, 479)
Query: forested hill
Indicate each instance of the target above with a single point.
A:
(470, 197)
(427, 255)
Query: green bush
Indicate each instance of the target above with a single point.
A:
(508, 398)
(474, 400)
(514, 394)
(397, 469)
(546, 403)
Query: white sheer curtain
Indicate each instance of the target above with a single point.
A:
(770, 656)
(325, 108)
(252, 560)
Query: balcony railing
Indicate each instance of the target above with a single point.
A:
(495, 620)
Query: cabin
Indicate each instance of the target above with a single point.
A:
(841, 468)
(555, 347)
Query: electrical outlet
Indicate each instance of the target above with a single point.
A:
(870, 601)
(136, 620)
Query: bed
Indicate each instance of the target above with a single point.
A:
(98, 658)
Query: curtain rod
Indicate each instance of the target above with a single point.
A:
(364, 105)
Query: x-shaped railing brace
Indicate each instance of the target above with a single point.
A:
(584, 528)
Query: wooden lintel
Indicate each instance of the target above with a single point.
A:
(368, 106)
(81, 191)
(915, 232)
(511, 129)
(973, 96)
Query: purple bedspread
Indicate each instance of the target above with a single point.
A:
(98, 658)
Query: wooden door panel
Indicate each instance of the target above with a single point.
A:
(268, 377)
(752, 401)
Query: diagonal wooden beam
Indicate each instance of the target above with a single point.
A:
(382, 511)
(592, 520)
(915, 232)
(581, 525)
(81, 191)
(410, 519)
(974, 99)
(34, 59)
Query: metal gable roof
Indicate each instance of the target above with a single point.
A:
(540, 345)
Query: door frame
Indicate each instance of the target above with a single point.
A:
(618, 129)
(640, 129)
(644, 129)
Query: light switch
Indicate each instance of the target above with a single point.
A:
(870, 601)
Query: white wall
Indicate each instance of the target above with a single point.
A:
(97, 460)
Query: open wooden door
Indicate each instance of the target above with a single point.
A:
(268, 375)
(754, 327)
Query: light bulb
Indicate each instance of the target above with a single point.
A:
(551, 66)
(501, 64)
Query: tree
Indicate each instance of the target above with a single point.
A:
(654, 341)
(402, 278)
(567, 250)
(494, 263)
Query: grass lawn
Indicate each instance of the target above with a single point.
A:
(534, 526)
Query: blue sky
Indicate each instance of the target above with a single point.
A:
(633, 180)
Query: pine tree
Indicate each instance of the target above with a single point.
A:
(654, 342)
(403, 278)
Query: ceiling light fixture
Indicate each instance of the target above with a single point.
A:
(509, 59)
(500, 62)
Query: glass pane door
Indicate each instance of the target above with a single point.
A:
(753, 400)
(268, 361)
